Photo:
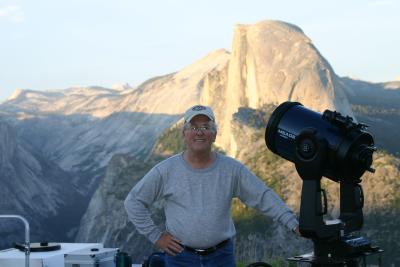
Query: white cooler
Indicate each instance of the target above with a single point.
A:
(91, 257)
(16, 258)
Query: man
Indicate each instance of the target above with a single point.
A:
(198, 186)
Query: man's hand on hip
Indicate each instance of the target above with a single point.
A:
(169, 244)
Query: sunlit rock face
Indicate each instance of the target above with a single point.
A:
(272, 62)
(76, 131)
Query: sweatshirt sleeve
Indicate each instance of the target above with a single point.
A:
(254, 193)
(140, 198)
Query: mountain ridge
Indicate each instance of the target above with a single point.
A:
(81, 129)
(36, 188)
(253, 230)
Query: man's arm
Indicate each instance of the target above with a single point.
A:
(137, 204)
(138, 201)
(254, 193)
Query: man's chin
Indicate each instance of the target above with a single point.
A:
(201, 149)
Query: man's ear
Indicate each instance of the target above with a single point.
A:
(214, 137)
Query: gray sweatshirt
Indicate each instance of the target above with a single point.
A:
(198, 201)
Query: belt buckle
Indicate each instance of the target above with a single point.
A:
(199, 250)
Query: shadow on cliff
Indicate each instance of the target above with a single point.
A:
(72, 152)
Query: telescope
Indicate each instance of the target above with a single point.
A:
(333, 146)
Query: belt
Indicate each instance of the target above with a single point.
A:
(206, 251)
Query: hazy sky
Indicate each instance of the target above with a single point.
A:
(56, 44)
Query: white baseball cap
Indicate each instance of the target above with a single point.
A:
(199, 110)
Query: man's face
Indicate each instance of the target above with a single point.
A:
(198, 139)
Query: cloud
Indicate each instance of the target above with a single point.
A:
(12, 14)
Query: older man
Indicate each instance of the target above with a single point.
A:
(198, 185)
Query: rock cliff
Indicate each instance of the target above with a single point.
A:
(258, 238)
(272, 62)
(63, 140)
(36, 188)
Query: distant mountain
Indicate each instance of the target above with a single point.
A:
(258, 238)
(377, 105)
(271, 62)
(80, 129)
(36, 188)
(103, 140)
(383, 95)
(255, 74)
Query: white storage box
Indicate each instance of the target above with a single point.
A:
(91, 257)
(16, 258)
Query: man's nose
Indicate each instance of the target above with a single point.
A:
(199, 131)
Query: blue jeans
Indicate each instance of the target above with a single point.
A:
(222, 257)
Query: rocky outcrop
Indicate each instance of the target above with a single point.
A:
(258, 238)
(272, 62)
(377, 105)
(35, 188)
(8, 144)
(80, 129)
(105, 220)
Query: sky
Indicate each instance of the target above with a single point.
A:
(57, 44)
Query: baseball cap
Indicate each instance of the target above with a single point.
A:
(199, 110)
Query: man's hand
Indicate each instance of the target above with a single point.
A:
(169, 244)
(296, 230)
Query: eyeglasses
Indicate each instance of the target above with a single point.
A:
(195, 129)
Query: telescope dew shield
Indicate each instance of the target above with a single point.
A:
(299, 134)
